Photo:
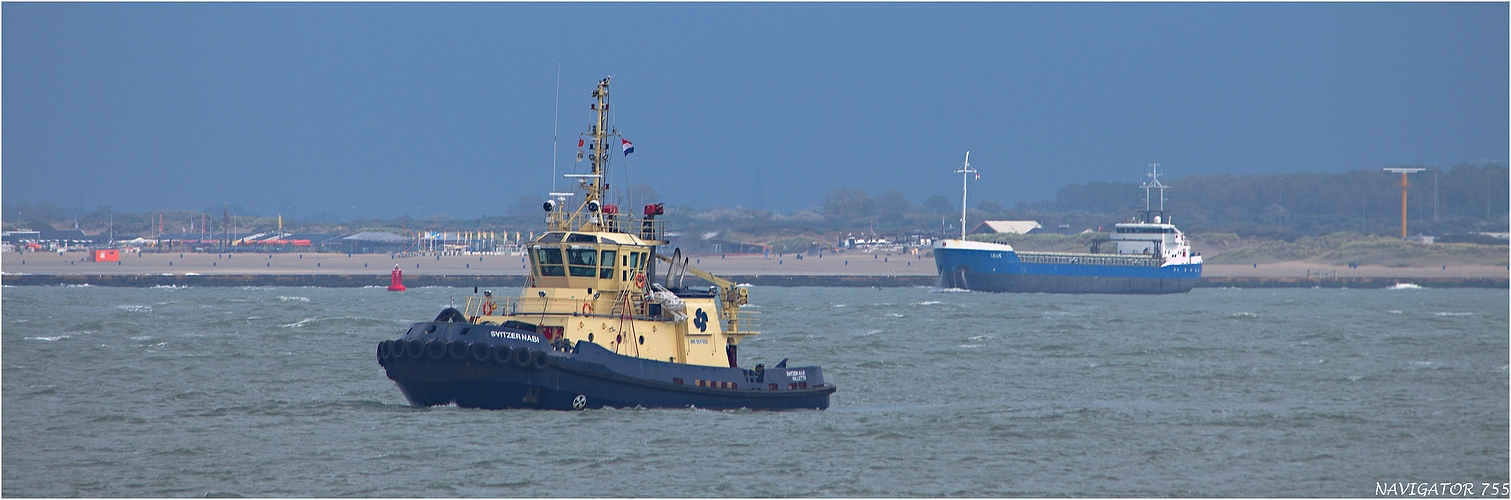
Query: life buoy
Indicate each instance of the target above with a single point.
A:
(502, 354)
(480, 352)
(587, 308)
(436, 349)
(639, 280)
(489, 307)
(538, 360)
(457, 350)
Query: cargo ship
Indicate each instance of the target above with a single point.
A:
(1144, 255)
(596, 324)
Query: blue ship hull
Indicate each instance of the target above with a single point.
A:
(495, 367)
(1004, 271)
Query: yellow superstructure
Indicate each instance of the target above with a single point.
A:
(592, 278)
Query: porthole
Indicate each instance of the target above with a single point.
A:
(642, 340)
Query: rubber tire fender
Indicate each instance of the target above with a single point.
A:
(457, 349)
(479, 352)
(435, 349)
(385, 350)
(522, 357)
(538, 360)
(502, 354)
(414, 349)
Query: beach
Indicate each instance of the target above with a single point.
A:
(835, 264)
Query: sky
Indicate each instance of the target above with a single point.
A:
(389, 109)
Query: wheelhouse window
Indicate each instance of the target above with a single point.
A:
(582, 261)
(548, 261)
(608, 265)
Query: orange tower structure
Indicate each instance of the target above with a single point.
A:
(1403, 171)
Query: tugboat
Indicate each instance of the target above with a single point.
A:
(1145, 255)
(594, 327)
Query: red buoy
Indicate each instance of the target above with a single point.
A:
(396, 280)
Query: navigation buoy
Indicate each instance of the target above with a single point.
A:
(396, 280)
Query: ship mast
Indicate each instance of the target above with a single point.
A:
(600, 132)
(1153, 183)
(593, 183)
(965, 175)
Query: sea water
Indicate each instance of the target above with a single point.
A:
(1219, 392)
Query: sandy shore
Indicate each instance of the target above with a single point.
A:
(852, 264)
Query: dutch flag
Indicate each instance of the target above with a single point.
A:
(628, 147)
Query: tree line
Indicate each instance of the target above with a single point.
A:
(1465, 198)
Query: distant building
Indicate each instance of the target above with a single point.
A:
(367, 242)
(1006, 227)
(51, 239)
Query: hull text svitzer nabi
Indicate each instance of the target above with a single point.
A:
(1147, 255)
(594, 326)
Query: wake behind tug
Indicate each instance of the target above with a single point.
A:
(594, 327)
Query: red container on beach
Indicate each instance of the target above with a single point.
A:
(110, 255)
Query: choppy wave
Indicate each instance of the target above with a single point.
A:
(935, 403)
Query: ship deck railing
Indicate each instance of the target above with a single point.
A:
(747, 323)
(646, 229)
(1088, 259)
(556, 307)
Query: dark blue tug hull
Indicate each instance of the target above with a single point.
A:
(440, 363)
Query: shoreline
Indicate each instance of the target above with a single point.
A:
(506, 281)
(843, 269)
